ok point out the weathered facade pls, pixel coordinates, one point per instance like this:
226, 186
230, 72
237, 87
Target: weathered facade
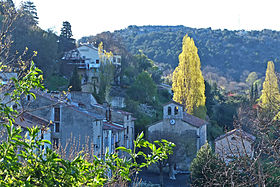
235, 143
87, 60
186, 131
78, 124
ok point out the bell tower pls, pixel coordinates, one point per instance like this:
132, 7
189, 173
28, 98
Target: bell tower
173, 110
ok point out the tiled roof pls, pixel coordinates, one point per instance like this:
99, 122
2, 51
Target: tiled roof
112, 126
194, 121
70, 106
174, 103
238, 132
30, 120
85, 112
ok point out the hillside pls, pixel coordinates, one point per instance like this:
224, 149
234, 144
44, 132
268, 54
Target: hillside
232, 54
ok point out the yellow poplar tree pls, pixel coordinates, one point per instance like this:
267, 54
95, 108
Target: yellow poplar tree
188, 83
270, 98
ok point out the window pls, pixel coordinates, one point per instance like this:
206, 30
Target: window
127, 117
176, 110
169, 110
56, 119
56, 127
55, 143
127, 130
28, 97
14, 106
57, 114
97, 61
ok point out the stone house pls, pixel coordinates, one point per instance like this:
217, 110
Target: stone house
235, 143
88, 61
76, 123
186, 131
28, 120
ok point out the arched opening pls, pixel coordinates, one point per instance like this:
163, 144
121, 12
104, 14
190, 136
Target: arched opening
176, 110
169, 110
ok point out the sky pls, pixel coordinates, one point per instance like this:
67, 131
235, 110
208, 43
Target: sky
90, 17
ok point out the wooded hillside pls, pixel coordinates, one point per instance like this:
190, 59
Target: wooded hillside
233, 54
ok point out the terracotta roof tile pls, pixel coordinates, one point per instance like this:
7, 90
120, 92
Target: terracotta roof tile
194, 121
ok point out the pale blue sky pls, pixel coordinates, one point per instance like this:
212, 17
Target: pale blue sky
89, 17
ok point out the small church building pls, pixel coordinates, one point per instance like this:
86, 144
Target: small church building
186, 131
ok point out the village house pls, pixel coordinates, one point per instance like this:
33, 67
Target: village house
27, 120
186, 131
87, 60
233, 144
78, 124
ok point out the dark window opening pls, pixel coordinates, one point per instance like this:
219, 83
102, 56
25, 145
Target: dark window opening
56, 126
14, 106
176, 110
127, 117
28, 97
97, 61
56, 114
169, 110
127, 130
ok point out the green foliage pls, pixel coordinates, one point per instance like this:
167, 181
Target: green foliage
75, 81
230, 52
47, 168
66, 42
56, 82
25, 163
270, 98
188, 83
143, 89
106, 74
214, 130
204, 166
29, 11
252, 77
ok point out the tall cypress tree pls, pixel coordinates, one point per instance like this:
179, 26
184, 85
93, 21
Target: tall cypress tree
256, 92
75, 81
188, 82
252, 94
270, 98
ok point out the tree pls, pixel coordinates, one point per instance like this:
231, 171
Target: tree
66, 42
204, 166
23, 160
143, 89
188, 83
270, 97
30, 11
75, 81
252, 77
66, 31
106, 73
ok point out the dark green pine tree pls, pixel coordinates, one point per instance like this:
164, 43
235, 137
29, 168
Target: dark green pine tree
256, 92
66, 42
75, 81
252, 94
30, 11
66, 31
